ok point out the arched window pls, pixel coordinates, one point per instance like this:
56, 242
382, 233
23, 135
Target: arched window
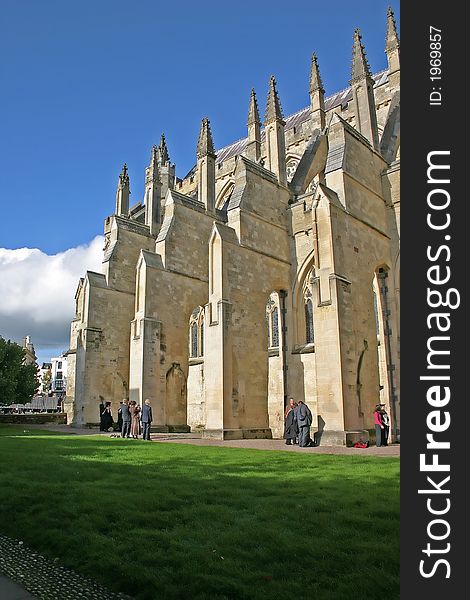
196, 333
309, 334
272, 321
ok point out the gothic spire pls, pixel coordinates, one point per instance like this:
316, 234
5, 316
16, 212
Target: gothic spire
164, 155
153, 170
392, 41
273, 105
316, 83
123, 192
253, 112
360, 66
205, 144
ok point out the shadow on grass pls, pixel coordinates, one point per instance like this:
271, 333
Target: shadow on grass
173, 521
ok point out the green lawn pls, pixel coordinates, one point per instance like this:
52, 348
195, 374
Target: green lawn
164, 521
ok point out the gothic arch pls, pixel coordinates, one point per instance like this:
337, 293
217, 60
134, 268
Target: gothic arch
292, 162
304, 291
223, 197
196, 333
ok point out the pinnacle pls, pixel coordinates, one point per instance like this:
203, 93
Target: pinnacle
360, 66
164, 155
316, 83
124, 176
205, 144
273, 106
153, 166
253, 112
392, 42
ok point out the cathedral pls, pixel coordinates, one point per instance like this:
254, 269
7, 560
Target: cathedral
270, 271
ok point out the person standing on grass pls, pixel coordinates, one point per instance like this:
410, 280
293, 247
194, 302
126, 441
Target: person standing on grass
378, 424
304, 421
119, 421
291, 430
126, 419
107, 417
146, 419
385, 423
101, 409
135, 419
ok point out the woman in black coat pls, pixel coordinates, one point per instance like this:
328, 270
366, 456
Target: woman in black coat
291, 429
107, 417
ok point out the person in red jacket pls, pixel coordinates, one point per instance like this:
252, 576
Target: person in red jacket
378, 425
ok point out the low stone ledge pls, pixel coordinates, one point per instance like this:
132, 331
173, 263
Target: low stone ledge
237, 434
34, 418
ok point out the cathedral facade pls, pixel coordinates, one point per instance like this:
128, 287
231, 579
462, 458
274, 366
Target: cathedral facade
270, 271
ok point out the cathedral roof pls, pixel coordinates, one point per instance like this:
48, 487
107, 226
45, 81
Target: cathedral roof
296, 119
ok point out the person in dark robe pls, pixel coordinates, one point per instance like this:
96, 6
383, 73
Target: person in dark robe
101, 408
119, 421
107, 417
304, 422
291, 430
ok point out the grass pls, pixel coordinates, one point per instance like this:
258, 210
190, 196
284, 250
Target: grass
208, 523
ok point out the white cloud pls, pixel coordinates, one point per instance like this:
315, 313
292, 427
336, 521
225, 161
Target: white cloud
37, 292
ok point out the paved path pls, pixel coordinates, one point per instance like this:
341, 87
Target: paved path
23, 569
12, 591
196, 439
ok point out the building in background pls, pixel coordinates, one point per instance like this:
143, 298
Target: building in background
59, 374
29, 352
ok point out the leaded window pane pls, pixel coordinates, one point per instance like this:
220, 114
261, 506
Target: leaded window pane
275, 328
309, 322
194, 340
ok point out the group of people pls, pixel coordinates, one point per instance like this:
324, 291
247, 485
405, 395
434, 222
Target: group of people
298, 419
133, 420
297, 422
382, 425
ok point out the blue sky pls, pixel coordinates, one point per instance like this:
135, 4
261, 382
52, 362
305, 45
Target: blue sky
89, 85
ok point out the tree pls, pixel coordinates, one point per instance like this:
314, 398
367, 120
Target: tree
46, 381
18, 381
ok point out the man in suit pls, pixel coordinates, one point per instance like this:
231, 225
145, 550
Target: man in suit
126, 419
304, 421
146, 418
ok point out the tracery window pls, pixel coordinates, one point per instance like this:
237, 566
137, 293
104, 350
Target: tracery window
196, 333
291, 167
